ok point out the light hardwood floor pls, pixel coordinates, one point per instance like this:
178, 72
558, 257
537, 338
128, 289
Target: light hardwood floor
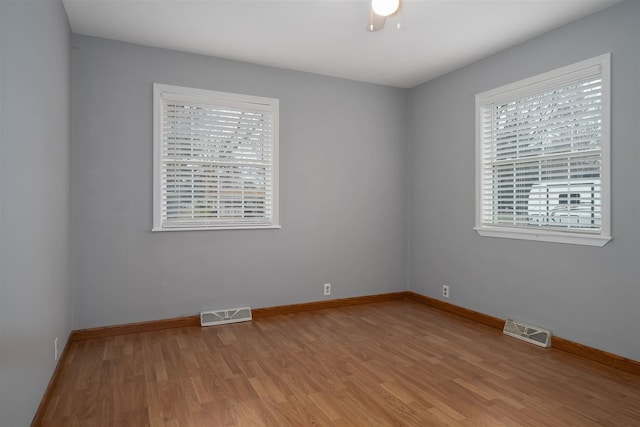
395, 363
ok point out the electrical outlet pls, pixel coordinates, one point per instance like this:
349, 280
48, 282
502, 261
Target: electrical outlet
327, 289
56, 353
445, 291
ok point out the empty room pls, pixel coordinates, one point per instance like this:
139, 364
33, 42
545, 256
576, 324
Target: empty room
323, 212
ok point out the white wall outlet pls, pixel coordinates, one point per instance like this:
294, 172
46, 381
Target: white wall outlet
56, 353
327, 289
445, 291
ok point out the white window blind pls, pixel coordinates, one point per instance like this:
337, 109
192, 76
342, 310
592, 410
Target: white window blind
215, 160
543, 156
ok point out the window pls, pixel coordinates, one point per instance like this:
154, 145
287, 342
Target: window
542, 157
215, 160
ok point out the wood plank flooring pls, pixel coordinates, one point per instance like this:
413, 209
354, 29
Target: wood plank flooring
395, 363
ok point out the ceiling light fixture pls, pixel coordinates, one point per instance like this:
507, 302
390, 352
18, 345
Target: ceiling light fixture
385, 7
380, 10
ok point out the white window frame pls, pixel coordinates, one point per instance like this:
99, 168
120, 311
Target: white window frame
161, 93
538, 84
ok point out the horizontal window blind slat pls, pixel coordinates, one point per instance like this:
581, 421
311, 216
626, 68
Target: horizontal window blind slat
220, 166
566, 94
527, 89
216, 129
574, 156
516, 131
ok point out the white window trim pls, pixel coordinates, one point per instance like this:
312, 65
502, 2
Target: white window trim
208, 95
533, 85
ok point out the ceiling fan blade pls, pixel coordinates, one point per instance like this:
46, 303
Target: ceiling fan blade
376, 22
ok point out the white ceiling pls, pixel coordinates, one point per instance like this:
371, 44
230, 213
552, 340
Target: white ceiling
329, 37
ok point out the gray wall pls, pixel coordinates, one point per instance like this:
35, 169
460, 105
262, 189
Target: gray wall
342, 193
586, 294
34, 201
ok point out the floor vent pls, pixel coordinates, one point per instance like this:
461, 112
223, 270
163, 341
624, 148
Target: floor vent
221, 317
528, 333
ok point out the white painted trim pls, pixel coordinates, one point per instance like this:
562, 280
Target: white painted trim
157, 156
605, 156
544, 235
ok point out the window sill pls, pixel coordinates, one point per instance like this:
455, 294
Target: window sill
229, 227
544, 236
